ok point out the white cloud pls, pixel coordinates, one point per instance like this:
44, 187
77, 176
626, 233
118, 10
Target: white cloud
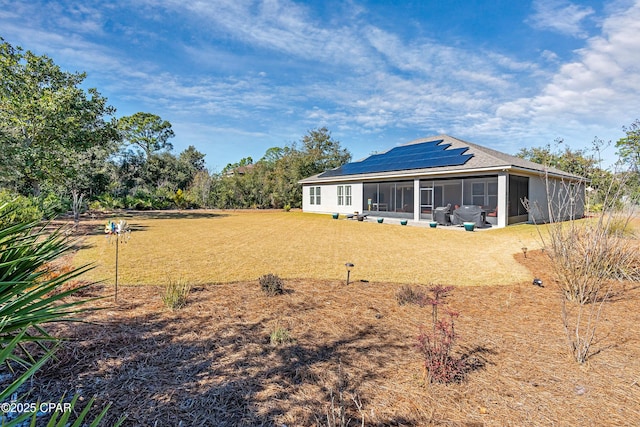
602, 86
275, 68
549, 56
560, 16
282, 26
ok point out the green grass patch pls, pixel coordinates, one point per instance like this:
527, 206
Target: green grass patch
176, 294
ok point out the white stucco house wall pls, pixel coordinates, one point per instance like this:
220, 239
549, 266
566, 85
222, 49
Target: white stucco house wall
412, 180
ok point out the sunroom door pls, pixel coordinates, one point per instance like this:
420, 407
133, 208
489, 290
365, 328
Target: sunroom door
426, 202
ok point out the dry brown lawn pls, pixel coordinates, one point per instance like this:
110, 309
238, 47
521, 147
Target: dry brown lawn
204, 247
212, 364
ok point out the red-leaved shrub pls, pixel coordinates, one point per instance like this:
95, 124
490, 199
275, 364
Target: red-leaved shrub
435, 343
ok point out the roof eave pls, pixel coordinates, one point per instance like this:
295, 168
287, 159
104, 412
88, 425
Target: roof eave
417, 173
550, 173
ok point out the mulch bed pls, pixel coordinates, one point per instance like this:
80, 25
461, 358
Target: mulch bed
212, 363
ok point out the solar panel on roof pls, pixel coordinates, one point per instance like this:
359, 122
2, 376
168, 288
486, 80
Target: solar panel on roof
423, 155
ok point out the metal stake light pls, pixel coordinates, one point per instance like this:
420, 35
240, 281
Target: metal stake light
122, 232
349, 267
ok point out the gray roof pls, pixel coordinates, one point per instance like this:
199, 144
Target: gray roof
482, 160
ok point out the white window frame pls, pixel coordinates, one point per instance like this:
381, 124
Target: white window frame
475, 196
344, 195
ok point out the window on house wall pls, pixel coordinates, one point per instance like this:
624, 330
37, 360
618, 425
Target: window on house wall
314, 195
481, 192
344, 195
477, 193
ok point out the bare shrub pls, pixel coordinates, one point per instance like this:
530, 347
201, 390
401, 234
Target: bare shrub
587, 255
341, 401
271, 284
587, 258
408, 295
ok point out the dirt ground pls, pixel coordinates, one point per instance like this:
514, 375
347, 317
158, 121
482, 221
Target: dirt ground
212, 363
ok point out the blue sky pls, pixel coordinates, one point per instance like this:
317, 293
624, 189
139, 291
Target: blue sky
235, 77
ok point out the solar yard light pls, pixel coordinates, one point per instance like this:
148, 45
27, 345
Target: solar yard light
349, 267
122, 233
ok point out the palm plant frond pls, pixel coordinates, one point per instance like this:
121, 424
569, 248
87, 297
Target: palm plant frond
27, 297
30, 298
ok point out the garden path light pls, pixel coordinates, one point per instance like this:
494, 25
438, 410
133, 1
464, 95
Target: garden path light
349, 267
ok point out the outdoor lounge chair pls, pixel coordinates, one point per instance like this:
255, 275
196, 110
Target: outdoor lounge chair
359, 217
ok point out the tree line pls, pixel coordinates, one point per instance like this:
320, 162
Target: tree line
587, 163
63, 148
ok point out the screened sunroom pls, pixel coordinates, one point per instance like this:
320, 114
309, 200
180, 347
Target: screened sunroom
419, 180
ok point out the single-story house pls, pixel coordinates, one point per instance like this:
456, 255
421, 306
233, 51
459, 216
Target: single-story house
416, 180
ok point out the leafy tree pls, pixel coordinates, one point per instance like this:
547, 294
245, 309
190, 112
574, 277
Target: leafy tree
273, 180
200, 190
126, 173
151, 183
284, 179
84, 173
577, 162
45, 120
166, 170
320, 152
160, 171
602, 182
190, 162
629, 146
146, 131
629, 155
272, 155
